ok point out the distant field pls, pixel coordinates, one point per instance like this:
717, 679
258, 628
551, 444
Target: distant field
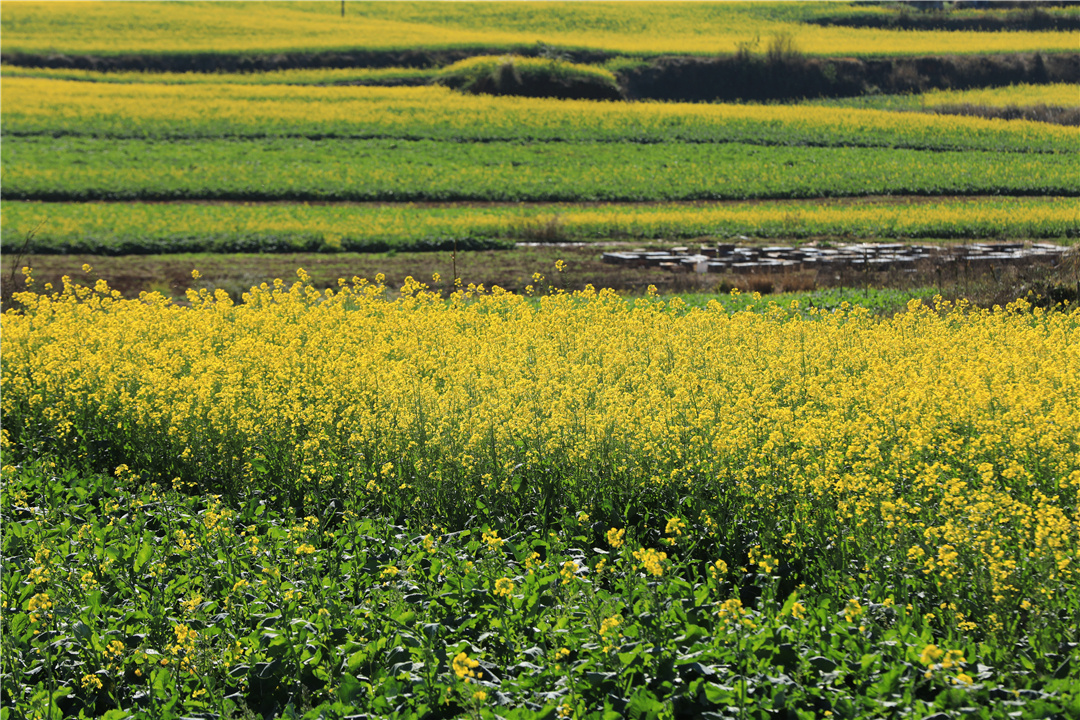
34, 106
1055, 94
241, 480
646, 28
1059, 94
85, 168
121, 229
315, 76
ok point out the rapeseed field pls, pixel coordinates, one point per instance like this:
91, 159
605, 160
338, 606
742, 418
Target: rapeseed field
443, 499
906, 486
647, 28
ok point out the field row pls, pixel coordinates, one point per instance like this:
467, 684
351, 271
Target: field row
1065, 95
1053, 94
647, 28
307, 76
124, 229
84, 168
36, 106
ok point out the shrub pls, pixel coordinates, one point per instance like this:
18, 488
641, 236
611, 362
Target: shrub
531, 77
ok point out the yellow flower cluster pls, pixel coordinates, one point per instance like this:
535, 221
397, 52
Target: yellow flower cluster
39, 608
950, 660
609, 631
853, 610
568, 572
465, 667
732, 614
958, 429
504, 587
675, 526
492, 540
651, 560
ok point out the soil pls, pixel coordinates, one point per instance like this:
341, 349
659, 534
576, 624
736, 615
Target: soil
513, 270
676, 78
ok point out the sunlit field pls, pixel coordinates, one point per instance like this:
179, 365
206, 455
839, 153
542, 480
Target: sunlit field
316, 400
752, 483
645, 29
147, 228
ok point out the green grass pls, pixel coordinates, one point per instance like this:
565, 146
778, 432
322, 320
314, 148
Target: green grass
84, 168
878, 300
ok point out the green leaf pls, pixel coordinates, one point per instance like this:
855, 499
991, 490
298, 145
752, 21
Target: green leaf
356, 660
146, 551
717, 694
822, 663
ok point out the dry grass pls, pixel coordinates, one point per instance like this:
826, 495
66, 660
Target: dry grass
513, 270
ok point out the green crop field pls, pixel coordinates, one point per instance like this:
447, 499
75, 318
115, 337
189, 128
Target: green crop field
147, 228
315, 405
300, 169
33, 106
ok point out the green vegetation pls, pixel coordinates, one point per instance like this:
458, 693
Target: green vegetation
86, 168
165, 605
877, 300
125, 228
530, 77
55, 108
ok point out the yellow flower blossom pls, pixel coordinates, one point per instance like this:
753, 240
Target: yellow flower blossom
504, 587
465, 667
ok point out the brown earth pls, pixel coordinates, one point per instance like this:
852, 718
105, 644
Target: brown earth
781, 75
513, 270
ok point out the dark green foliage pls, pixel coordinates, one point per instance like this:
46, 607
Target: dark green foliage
343, 612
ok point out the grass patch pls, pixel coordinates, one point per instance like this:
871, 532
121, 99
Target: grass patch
530, 77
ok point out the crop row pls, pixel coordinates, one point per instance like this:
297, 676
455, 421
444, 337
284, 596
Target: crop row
149, 601
299, 169
1065, 95
36, 106
1058, 94
123, 229
646, 28
305, 76
1054, 94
